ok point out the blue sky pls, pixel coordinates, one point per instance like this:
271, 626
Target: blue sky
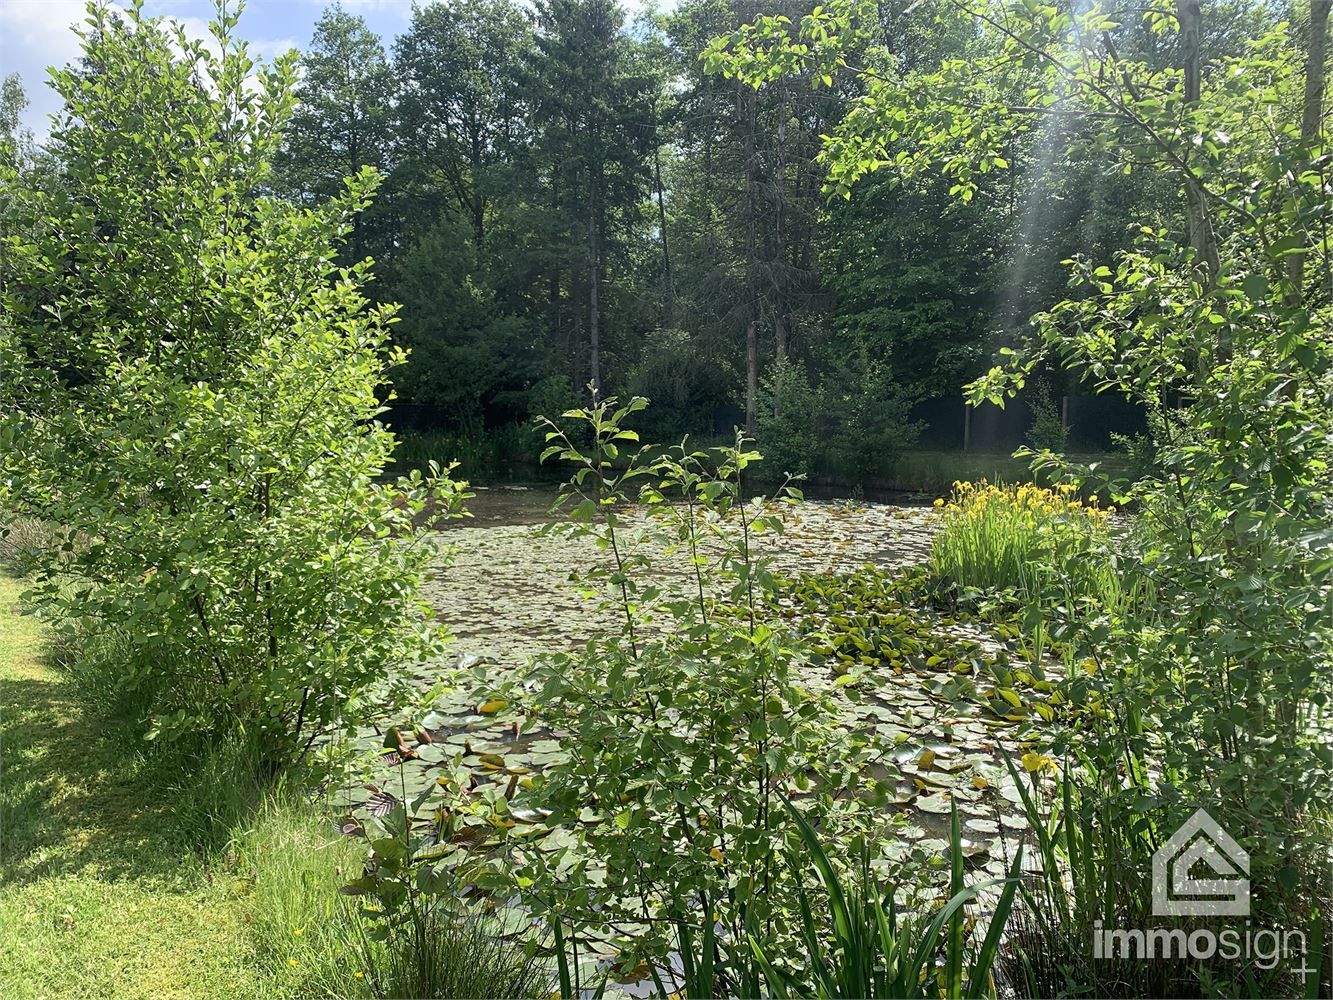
35, 34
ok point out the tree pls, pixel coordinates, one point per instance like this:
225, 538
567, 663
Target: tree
190, 391
1207, 323
16, 145
12, 102
593, 116
469, 355
342, 121
461, 109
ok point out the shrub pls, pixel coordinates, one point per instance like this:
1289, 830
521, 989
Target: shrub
688, 723
682, 374
308, 939
1048, 431
190, 391
460, 957
25, 542
1002, 537
868, 409
474, 453
868, 947
422, 937
788, 420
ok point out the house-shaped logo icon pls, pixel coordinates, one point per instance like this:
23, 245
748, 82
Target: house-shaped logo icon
1200, 841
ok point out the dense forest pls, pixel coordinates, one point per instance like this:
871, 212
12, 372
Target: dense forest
572, 199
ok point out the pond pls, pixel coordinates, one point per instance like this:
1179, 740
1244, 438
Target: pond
504, 590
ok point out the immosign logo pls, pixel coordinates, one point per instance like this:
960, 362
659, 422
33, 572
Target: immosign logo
1177, 892
1202, 872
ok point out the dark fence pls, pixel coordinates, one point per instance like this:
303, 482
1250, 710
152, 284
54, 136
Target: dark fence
1089, 421
947, 423
422, 418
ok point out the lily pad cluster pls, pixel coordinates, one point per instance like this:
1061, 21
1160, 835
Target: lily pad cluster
941, 697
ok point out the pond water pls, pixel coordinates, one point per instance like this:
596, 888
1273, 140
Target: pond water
504, 590
519, 501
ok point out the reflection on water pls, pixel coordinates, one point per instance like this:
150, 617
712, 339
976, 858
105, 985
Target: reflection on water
521, 503
510, 503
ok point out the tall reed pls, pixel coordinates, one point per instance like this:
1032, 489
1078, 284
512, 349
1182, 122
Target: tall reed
1031, 540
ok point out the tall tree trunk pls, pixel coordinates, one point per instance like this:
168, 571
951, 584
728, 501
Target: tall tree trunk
751, 376
779, 210
746, 95
594, 288
1312, 114
479, 200
1315, 68
669, 290
1202, 237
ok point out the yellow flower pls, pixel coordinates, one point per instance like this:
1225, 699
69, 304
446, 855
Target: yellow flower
298, 931
939, 502
360, 974
292, 962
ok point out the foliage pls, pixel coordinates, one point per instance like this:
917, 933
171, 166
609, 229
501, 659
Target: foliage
874, 950
420, 935
789, 419
1212, 323
459, 958
868, 411
290, 860
1028, 537
1048, 431
452, 323
339, 125
562, 176
461, 100
852, 426
919, 305
194, 403
477, 453
686, 724
684, 382
140, 872
1103, 857
25, 542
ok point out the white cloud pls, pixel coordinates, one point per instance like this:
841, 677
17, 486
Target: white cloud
35, 34
363, 7
37, 31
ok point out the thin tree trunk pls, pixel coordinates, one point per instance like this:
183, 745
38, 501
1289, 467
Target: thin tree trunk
594, 311
669, 305
1315, 68
478, 199
1311, 119
1202, 238
780, 195
751, 289
751, 376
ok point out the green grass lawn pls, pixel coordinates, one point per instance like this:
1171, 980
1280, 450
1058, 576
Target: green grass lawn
105, 890
99, 896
